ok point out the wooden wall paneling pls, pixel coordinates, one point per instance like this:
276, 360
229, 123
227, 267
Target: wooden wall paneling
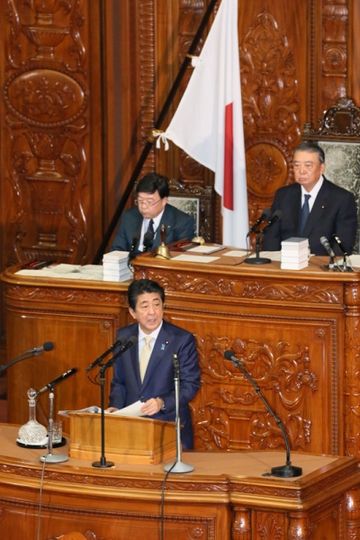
51, 169
80, 325
330, 54
273, 60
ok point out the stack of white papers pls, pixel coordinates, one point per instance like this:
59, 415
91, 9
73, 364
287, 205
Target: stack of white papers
295, 253
115, 266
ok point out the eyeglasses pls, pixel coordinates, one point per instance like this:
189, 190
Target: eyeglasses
146, 204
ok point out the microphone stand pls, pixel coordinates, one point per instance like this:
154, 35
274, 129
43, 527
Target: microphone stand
23, 356
102, 463
257, 259
283, 471
178, 466
50, 457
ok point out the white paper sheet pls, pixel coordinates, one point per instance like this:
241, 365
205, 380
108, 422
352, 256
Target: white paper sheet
134, 409
195, 258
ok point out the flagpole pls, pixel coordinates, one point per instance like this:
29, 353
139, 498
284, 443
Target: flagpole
147, 147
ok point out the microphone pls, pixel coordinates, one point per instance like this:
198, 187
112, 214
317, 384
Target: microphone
35, 351
329, 250
176, 365
284, 471
122, 348
326, 244
103, 355
345, 266
264, 217
58, 379
132, 251
47, 346
273, 219
340, 244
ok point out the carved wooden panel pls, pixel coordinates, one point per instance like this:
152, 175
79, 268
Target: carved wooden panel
48, 164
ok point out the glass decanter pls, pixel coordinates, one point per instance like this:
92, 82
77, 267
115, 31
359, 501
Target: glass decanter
32, 433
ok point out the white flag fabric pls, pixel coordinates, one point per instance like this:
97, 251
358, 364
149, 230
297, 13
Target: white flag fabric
208, 124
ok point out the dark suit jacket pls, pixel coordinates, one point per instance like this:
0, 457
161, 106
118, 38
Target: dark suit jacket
334, 212
126, 386
179, 226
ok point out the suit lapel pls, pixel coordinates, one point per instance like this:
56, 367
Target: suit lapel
158, 353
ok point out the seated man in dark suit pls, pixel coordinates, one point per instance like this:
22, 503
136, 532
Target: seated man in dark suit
145, 372
140, 227
313, 206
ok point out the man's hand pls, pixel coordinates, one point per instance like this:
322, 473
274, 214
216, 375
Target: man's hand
152, 406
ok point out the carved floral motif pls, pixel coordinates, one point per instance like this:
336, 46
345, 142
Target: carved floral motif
277, 369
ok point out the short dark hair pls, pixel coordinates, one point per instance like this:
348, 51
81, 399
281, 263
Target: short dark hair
311, 146
141, 286
153, 182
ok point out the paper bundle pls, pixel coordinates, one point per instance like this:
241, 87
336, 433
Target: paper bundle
115, 266
295, 253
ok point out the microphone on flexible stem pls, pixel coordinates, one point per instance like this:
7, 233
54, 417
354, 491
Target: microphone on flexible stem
285, 471
178, 466
132, 251
58, 379
333, 265
35, 351
50, 457
122, 348
102, 356
265, 216
102, 463
345, 265
259, 237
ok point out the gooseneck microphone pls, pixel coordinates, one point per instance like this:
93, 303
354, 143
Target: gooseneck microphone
269, 220
58, 379
35, 351
103, 355
273, 219
284, 471
121, 349
329, 250
264, 217
345, 266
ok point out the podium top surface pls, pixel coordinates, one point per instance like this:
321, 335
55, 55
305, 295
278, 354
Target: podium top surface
227, 476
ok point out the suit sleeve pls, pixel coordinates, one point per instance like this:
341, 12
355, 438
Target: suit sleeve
346, 222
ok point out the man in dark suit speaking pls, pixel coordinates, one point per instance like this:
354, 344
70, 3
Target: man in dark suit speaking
145, 372
140, 227
313, 206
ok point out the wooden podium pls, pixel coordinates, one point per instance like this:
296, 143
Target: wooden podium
127, 439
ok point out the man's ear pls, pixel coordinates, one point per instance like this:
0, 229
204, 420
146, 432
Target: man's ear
132, 313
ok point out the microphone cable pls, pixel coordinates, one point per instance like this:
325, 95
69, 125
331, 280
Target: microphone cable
162, 501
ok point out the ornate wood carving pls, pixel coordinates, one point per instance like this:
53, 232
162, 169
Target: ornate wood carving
330, 33
241, 527
46, 97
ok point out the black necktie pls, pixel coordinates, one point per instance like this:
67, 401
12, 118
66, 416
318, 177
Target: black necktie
149, 236
304, 214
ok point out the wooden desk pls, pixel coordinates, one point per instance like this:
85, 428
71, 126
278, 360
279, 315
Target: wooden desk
222, 499
298, 333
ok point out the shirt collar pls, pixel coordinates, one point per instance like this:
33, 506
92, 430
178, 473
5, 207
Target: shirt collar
153, 334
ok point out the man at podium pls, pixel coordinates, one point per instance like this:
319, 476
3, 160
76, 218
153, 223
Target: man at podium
145, 372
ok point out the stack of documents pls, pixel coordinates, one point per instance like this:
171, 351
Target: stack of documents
115, 266
295, 253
